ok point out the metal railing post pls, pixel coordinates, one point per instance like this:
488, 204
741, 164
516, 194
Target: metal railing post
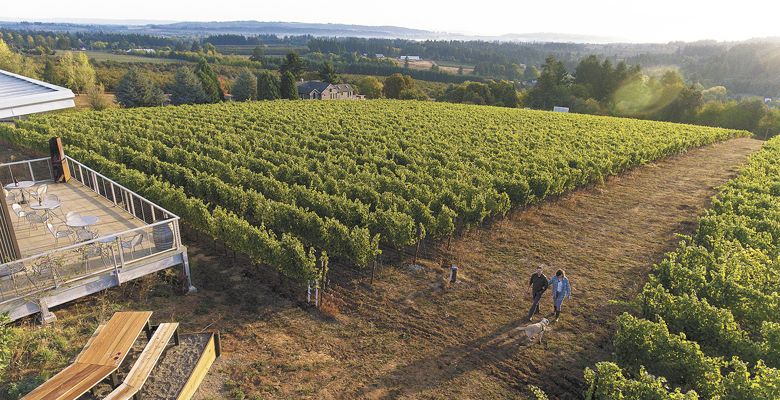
132, 204
121, 253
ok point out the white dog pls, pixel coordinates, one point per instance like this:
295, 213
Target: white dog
536, 329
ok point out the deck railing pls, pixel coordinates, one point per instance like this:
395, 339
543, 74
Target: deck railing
37, 170
117, 251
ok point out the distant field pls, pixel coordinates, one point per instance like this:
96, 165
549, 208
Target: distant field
82, 103
451, 68
128, 58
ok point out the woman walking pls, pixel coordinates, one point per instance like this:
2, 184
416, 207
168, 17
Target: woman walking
561, 290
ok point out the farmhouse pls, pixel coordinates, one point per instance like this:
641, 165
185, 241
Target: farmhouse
318, 90
409, 58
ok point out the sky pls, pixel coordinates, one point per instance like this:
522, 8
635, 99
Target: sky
645, 21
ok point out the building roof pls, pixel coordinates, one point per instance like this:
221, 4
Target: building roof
310, 86
20, 95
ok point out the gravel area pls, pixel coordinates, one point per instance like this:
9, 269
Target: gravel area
170, 374
175, 367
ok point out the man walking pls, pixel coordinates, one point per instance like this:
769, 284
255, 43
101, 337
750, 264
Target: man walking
536, 287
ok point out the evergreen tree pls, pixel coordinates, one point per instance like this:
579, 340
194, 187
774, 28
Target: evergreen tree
245, 87
136, 90
288, 89
553, 87
328, 73
268, 86
209, 81
187, 88
293, 64
257, 54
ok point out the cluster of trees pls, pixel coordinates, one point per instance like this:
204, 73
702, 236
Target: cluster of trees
743, 68
368, 67
43, 42
492, 93
72, 71
396, 86
598, 87
510, 71
190, 86
403, 87
256, 40
14, 62
751, 115
447, 50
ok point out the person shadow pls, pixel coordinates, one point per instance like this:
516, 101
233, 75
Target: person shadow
491, 351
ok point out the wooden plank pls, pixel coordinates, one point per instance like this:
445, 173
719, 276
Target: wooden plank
89, 342
143, 366
9, 248
71, 382
200, 371
116, 338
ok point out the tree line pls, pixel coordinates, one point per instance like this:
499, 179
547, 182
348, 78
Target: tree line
598, 87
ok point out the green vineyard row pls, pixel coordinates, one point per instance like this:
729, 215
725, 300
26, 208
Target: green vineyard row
347, 178
709, 321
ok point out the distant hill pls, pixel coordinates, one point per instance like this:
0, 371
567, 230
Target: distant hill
293, 28
190, 28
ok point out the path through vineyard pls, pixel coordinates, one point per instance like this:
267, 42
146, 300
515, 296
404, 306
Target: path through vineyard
412, 336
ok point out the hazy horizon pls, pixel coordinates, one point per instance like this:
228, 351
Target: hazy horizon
665, 21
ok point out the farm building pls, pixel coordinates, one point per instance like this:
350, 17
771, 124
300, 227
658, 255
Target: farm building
409, 58
318, 90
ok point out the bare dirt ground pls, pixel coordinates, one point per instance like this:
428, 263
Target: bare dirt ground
411, 335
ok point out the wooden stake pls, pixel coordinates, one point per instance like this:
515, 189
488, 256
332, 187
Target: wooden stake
373, 269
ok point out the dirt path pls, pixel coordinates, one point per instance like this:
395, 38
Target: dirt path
413, 336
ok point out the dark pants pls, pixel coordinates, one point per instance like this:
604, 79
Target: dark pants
535, 305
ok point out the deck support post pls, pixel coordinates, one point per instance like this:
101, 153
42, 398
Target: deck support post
115, 380
47, 317
148, 330
187, 276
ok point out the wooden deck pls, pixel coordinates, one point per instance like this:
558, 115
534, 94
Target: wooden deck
78, 198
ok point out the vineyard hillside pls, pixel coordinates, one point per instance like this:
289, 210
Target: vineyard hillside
288, 183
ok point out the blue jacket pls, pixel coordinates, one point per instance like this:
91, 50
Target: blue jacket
565, 290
